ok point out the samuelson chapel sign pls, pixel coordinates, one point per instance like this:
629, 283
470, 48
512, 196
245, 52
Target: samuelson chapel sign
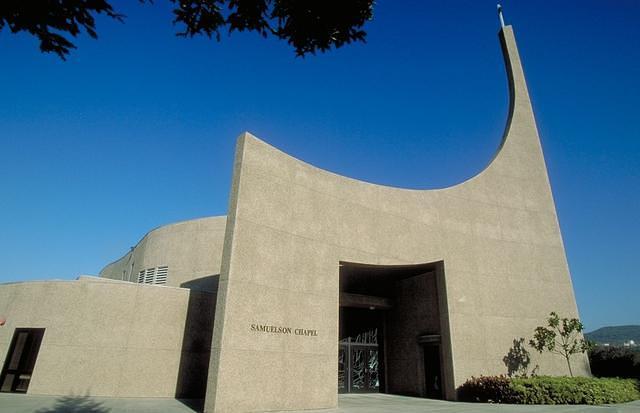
264, 328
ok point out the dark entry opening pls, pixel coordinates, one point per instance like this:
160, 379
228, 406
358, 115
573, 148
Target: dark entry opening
20, 360
432, 371
404, 308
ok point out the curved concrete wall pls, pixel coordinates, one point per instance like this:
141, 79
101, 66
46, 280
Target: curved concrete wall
108, 338
290, 224
191, 249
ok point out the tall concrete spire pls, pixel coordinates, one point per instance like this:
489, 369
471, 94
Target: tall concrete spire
500, 15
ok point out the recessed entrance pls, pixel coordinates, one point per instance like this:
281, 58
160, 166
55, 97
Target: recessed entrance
20, 360
394, 331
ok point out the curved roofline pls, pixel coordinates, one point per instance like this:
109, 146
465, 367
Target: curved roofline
171, 224
512, 97
156, 229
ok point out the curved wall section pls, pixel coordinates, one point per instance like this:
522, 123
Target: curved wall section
191, 251
291, 224
109, 338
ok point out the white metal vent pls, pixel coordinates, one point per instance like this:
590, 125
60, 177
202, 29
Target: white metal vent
161, 275
148, 275
153, 275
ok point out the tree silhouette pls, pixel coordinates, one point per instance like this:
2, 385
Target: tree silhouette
307, 25
517, 359
75, 404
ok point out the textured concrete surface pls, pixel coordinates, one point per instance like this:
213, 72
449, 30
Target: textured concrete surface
347, 403
291, 224
112, 338
191, 249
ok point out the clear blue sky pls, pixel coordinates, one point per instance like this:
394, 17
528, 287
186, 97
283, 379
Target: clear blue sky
137, 129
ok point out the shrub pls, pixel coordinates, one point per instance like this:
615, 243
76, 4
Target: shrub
614, 362
549, 390
574, 390
487, 389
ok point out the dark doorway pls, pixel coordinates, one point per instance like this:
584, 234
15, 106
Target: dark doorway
20, 360
432, 372
402, 311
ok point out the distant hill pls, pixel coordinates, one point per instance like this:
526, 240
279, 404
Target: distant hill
615, 335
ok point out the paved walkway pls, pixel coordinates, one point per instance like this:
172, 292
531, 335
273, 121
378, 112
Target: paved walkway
386, 403
348, 403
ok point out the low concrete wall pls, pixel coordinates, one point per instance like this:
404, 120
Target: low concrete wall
107, 338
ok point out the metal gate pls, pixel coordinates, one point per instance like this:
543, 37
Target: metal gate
358, 367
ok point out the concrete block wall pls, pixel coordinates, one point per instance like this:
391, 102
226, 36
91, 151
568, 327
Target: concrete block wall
106, 338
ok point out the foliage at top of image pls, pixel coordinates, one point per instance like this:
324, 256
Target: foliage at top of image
49, 20
562, 336
308, 26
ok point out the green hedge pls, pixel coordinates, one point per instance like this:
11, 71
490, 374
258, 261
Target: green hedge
549, 390
614, 362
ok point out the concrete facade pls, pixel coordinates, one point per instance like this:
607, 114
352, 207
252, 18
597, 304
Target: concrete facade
290, 225
249, 306
112, 338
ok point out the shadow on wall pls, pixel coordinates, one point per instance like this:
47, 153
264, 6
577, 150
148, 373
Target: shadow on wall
75, 404
518, 360
208, 283
196, 339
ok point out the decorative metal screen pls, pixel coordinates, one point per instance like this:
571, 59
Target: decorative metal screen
358, 363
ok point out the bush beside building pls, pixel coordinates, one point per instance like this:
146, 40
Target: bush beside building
607, 361
549, 390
